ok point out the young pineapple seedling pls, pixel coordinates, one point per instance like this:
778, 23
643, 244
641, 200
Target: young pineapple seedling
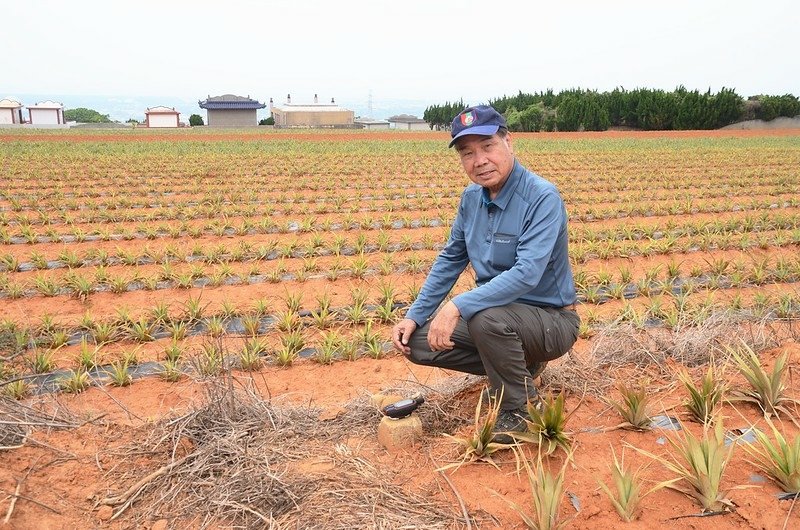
250, 356
478, 446
211, 359
120, 376
261, 307
768, 390
627, 492
216, 326
42, 361
17, 390
75, 383
350, 349
699, 464
704, 399
177, 329
87, 356
142, 330
251, 323
633, 407
323, 318
547, 494
779, 459
329, 346
292, 343
293, 301
173, 352
171, 371
387, 312
546, 421
193, 309
131, 357
285, 355
160, 313
104, 332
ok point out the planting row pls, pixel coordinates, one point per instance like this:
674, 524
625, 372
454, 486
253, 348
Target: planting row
670, 309
42, 201
736, 232
21, 226
709, 230
368, 260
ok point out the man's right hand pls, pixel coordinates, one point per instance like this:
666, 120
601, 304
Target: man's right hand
401, 333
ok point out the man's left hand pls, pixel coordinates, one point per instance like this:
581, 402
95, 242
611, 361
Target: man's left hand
440, 332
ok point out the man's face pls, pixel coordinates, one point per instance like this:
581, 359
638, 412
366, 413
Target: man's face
488, 160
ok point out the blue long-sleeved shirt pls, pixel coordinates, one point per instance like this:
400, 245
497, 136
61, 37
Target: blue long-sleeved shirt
516, 244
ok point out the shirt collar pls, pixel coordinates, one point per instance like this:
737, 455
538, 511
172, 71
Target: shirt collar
501, 201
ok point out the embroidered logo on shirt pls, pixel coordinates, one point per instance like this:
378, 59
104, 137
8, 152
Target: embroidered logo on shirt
467, 119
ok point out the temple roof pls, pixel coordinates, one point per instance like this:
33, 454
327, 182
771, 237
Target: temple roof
47, 105
406, 118
161, 110
230, 101
9, 103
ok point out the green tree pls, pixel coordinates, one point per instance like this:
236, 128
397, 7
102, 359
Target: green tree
441, 116
267, 121
84, 115
195, 120
771, 107
533, 117
581, 111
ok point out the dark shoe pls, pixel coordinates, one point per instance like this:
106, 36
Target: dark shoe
508, 422
536, 369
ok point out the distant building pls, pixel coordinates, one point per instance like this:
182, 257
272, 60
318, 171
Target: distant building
407, 122
10, 111
161, 117
371, 124
231, 111
312, 115
46, 113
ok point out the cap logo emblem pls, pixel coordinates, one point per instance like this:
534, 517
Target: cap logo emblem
467, 119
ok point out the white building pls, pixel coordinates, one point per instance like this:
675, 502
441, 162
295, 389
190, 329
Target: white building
161, 117
311, 114
46, 113
407, 122
10, 111
371, 124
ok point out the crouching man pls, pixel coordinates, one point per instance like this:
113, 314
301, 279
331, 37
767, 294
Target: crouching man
511, 227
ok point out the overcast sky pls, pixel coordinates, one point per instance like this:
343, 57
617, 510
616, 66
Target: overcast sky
425, 50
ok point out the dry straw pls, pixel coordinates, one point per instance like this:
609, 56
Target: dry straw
272, 467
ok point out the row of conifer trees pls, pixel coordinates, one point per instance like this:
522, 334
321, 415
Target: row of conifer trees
642, 108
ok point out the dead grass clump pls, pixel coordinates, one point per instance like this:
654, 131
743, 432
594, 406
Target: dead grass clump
621, 345
18, 419
237, 460
356, 494
445, 409
578, 374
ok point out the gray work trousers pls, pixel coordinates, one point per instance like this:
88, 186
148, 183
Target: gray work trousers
501, 343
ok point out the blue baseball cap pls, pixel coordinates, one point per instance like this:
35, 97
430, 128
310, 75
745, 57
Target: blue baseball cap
481, 119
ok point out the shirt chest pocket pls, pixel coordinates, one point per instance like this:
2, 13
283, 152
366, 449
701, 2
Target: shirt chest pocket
504, 250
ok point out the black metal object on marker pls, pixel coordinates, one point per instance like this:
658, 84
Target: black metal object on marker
403, 408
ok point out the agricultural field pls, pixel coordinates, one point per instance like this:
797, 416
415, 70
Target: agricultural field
192, 324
